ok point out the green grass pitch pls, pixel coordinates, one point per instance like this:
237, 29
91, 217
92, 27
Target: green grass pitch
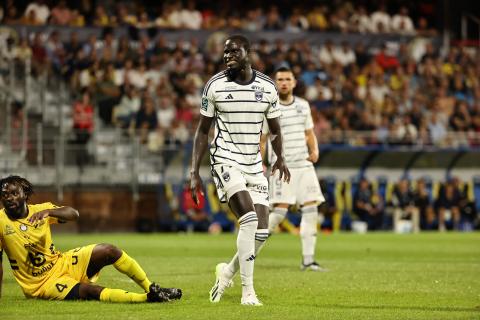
372, 276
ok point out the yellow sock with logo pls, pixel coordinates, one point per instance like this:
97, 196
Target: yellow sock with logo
127, 265
119, 295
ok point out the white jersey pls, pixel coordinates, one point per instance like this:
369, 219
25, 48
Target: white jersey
295, 119
239, 111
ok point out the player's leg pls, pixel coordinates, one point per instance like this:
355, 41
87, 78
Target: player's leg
308, 235
242, 204
310, 196
261, 236
107, 254
86, 291
277, 215
282, 195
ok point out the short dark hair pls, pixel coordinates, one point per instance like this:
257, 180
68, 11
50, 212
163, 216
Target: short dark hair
242, 40
26, 185
283, 68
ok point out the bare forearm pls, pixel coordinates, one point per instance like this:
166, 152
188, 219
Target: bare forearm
200, 145
312, 142
276, 137
64, 214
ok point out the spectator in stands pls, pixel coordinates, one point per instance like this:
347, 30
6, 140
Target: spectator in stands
317, 18
193, 216
190, 17
403, 205
11, 15
83, 123
146, 118
423, 202
402, 23
61, 14
360, 21
101, 18
368, 206
125, 111
273, 20
344, 55
448, 207
297, 22
107, 94
381, 20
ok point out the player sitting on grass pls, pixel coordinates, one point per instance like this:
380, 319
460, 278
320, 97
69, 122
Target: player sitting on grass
46, 273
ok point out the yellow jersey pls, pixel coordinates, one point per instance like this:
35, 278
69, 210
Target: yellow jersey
29, 247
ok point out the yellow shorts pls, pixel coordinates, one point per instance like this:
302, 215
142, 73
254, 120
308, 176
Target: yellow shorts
70, 269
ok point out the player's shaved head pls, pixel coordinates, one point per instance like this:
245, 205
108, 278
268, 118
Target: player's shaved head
241, 40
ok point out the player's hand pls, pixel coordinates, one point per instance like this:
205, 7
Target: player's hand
195, 186
36, 217
282, 168
313, 157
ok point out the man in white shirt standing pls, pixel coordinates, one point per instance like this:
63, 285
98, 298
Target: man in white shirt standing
301, 152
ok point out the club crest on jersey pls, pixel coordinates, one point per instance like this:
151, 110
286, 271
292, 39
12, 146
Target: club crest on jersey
258, 95
226, 176
299, 108
23, 227
204, 104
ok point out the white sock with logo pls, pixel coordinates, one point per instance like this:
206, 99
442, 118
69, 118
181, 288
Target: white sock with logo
246, 249
308, 233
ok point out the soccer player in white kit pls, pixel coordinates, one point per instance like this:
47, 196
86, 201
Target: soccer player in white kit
238, 100
301, 152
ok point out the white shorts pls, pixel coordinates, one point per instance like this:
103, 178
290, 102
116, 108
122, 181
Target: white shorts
303, 188
229, 180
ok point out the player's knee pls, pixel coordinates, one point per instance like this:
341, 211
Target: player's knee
110, 252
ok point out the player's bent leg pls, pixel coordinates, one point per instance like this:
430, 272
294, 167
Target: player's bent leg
107, 254
102, 255
277, 216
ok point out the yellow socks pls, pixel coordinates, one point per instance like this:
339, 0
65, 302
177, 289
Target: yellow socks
126, 265
118, 295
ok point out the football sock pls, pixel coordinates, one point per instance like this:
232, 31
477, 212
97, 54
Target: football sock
246, 248
261, 237
119, 295
276, 217
308, 233
127, 265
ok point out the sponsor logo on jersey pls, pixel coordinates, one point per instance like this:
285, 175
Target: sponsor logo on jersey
258, 88
229, 97
9, 230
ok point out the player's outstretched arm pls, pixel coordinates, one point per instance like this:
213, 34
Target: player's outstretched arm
277, 146
312, 144
200, 144
63, 214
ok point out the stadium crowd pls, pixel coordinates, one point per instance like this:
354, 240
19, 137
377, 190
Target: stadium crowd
403, 93
174, 14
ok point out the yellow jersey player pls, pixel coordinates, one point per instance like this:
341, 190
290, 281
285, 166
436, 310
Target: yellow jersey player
46, 273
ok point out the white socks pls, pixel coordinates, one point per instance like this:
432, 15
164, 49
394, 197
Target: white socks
308, 233
276, 217
246, 248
